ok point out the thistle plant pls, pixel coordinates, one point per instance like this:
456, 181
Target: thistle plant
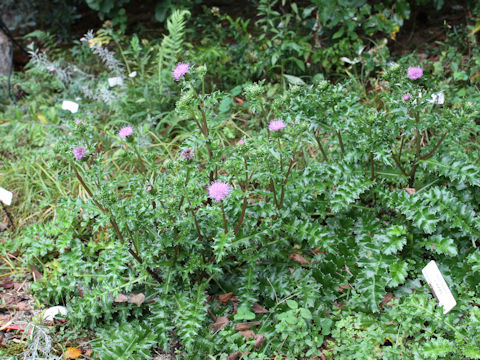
330, 200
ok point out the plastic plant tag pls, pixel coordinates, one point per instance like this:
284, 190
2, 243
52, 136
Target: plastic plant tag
70, 106
6, 196
114, 81
438, 98
439, 287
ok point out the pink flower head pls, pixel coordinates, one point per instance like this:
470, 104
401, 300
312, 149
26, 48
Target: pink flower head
125, 131
187, 154
79, 152
218, 190
406, 97
180, 70
414, 73
241, 142
276, 125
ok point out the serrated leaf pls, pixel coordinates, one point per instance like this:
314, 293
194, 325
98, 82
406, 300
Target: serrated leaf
438, 348
398, 272
394, 240
441, 245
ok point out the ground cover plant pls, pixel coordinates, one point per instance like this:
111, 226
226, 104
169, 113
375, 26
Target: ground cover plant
191, 211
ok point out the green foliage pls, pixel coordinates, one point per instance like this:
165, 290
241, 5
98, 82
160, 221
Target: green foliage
319, 241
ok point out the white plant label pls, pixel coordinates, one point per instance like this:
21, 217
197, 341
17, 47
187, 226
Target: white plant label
439, 287
114, 81
6, 196
70, 106
438, 98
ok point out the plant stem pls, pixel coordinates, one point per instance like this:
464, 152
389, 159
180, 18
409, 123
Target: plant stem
116, 228
272, 185
320, 146
425, 157
225, 225
340, 141
284, 183
244, 205
187, 178
372, 167
8, 216
399, 164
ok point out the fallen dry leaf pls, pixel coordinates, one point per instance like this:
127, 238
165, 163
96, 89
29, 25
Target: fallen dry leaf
220, 323
8, 284
234, 356
72, 353
410, 190
259, 309
246, 326
88, 352
36, 274
318, 251
121, 298
260, 339
225, 297
22, 306
299, 259
248, 334
136, 299
344, 287
386, 299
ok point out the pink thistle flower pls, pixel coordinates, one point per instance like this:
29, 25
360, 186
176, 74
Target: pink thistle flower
406, 97
414, 73
79, 152
218, 190
125, 131
276, 125
180, 70
187, 154
241, 142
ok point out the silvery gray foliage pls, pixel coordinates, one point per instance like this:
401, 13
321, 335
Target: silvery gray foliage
70, 75
40, 345
108, 57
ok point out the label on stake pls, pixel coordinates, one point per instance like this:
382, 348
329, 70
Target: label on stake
70, 106
6, 196
114, 81
439, 287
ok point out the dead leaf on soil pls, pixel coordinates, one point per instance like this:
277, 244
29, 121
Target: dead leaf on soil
22, 306
121, 298
318, 251
344, 287
386, 299
260, 339
299, 259
72, 353
220, 323
234, 356
225, 297
36, 274
136, 299
259, 309
248, 334
8, 284
246, 326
